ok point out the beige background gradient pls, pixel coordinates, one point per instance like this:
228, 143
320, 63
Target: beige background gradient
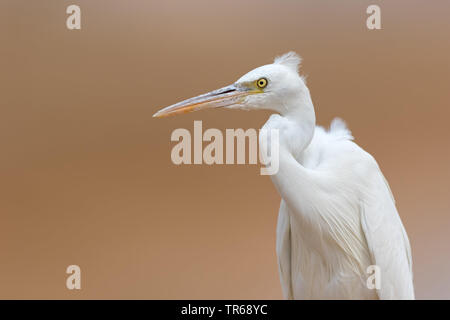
85, 171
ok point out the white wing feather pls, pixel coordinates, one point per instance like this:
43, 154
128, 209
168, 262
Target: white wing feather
284, 250
388, 243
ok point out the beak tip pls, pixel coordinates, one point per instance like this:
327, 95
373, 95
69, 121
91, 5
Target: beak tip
156, 115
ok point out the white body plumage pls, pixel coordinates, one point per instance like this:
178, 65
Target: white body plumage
337, 217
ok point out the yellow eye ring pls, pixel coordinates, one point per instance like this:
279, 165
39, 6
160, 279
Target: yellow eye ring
261, 83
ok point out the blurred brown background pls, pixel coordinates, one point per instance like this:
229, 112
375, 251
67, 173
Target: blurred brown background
85, 171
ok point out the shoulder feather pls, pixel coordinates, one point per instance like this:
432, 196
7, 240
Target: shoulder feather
339, 129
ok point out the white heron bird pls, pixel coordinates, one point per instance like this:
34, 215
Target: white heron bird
337, 215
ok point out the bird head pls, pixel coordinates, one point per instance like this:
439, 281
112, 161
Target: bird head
269, 87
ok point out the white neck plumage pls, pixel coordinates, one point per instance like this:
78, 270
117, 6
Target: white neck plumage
300, 112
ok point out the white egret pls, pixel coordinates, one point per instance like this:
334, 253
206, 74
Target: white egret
337, 215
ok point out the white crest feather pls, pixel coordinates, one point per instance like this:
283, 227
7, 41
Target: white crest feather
291, 60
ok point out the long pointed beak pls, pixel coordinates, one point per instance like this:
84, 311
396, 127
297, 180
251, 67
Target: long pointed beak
223, 97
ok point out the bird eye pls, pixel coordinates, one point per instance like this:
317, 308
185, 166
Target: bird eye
261, 83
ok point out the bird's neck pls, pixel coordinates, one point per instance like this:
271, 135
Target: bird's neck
302, 114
